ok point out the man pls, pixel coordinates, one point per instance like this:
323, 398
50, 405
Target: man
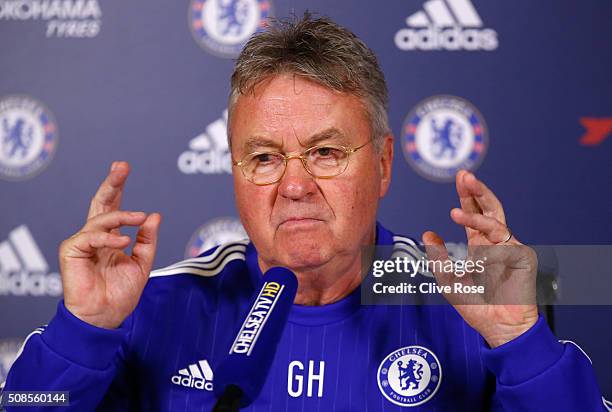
312, 157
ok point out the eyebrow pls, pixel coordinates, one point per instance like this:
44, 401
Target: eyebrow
328, 134
256, 143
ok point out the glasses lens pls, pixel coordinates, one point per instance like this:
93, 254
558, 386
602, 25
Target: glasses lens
262, 168
326, 161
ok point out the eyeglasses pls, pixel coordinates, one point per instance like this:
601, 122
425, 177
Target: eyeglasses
322, 161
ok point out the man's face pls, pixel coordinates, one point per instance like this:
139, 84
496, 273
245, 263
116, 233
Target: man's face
303, 222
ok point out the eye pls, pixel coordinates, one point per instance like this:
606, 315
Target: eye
325, 158
262, 163
324, 151
263, 158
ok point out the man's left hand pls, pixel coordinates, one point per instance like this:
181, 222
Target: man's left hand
508, 308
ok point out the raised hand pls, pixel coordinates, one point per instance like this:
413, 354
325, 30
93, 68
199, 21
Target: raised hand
102, 284
507, 308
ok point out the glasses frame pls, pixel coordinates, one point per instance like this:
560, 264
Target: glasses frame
302, 156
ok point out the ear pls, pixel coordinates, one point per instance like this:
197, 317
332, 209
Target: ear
386, 164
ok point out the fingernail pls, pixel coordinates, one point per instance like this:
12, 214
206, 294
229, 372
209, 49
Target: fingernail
136, 214
113, 166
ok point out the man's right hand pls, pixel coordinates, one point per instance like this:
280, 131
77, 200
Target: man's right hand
102, 284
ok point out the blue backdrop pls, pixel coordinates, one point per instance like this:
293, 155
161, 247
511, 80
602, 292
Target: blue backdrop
86, 82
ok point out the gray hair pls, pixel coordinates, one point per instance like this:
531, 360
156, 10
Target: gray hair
319, 50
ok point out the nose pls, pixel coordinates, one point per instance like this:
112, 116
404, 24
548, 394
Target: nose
296, 183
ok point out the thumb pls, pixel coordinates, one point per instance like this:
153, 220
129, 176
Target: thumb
434, 246
437, 254
145, 247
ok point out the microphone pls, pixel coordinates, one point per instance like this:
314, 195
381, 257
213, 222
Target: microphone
241, 375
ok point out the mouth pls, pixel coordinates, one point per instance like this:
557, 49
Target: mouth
300, 222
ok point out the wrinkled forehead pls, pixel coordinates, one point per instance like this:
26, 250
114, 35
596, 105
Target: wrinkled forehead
290, 111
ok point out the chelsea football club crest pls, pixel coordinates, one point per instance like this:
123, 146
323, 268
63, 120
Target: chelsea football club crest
215, 232
410, 376
28, 137
442, 135
223, 27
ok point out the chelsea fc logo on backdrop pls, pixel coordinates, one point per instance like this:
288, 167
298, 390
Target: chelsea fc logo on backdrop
28, 137
215, 232
443, 134
409, 376
222, 27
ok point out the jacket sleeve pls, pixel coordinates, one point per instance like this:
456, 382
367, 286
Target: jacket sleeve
71, 355
536, 372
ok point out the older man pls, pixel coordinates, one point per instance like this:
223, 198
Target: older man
312, 157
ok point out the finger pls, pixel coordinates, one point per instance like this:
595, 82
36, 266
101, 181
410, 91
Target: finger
484, 197
114, 220
108, 196
434, 246
85, 244
437, 252
468, 203
491, 228
144, 249
439, 259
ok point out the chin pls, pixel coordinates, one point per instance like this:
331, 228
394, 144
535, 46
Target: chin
302, 251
